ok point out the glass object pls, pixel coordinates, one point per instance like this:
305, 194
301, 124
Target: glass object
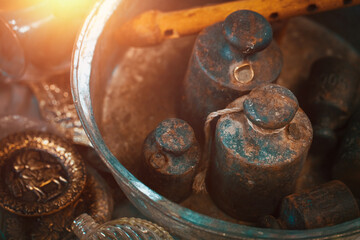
85, 228
95, 58
38, 39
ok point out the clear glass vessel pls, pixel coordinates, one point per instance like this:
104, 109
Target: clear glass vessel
95, 58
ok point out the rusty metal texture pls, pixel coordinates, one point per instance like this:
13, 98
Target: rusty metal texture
329, 99
347, 163
328, 204
256, 166
229, 59
171, 155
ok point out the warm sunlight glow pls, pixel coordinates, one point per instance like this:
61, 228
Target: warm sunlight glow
71, 8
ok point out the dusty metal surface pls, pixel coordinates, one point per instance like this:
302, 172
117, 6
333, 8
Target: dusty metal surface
271, 106
171, 154
143, 91
303, 43
256, 166
150, 101
330, 97
328, 204
228, 60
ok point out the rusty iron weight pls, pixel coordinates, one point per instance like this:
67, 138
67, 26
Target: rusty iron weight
330, 99
228, 60
171, 154
258, 153
326, 205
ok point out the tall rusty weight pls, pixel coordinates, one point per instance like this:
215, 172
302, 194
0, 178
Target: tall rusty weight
330, 99
229, 59
171, 154
258, 153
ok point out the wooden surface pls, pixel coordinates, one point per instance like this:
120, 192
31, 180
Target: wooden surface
153, 27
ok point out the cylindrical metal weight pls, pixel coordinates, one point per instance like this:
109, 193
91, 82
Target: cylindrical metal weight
171, 155
228, 60
330, 99
328, 204
258, 153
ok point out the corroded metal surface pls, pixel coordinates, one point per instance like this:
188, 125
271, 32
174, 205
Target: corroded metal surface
328, 204
32, 161
271, 107
142, 92
147, 102
171, 154
254, 166
228, 60
329, 97
347, 161
95, 200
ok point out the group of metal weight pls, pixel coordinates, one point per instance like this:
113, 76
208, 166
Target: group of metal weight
261, 141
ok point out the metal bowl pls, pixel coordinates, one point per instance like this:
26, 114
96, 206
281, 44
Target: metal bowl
95, 59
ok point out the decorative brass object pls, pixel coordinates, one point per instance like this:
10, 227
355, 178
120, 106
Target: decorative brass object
57, 107
44, 186
31, 160
120, 229
32, 171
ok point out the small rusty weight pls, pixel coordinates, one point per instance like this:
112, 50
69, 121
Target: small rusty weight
347, 163
171, 154
326, 205
258, 153
330, 99
228, 60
